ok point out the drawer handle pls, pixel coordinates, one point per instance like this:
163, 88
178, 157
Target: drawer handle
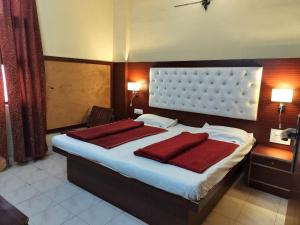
272, 163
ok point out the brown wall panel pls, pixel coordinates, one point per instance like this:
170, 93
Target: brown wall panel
120, 90
276, 73
73, 88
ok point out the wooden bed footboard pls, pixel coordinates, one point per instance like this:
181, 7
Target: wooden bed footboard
150, 204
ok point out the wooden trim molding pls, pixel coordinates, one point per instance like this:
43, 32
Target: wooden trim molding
62, 129
76, 60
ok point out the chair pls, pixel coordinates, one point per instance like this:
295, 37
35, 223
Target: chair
99, 116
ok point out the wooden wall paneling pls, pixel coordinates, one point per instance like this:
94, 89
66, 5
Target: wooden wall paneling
73, 87
276, 73
119, 90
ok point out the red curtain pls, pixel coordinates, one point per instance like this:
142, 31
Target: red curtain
24, 68
3, 139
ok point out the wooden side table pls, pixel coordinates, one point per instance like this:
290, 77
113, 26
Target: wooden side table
2, 164
10, 215
270, 170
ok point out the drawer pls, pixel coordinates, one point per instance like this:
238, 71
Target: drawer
271, 176
272, 162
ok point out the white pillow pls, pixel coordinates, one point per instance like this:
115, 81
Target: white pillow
239, 134
225, 128
157, 121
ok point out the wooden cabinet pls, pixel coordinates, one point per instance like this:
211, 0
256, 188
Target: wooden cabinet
270, 170
10, 215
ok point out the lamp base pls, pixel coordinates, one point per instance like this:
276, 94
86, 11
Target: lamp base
281, 107
134, 95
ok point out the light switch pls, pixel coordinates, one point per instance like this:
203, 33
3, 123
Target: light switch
275, 137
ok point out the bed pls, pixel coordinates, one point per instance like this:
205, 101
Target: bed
118, 166
173, 179
161, 194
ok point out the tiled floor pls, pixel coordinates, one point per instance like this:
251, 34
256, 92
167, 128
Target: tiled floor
40, 190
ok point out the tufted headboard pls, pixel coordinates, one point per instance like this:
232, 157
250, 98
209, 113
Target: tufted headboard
223, 91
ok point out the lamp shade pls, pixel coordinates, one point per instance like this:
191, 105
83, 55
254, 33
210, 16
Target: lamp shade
282, 95
134, 86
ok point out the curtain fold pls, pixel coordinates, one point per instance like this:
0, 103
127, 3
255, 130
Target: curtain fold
25, 74
3, 139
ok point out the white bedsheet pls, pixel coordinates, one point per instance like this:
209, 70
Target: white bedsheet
176, 180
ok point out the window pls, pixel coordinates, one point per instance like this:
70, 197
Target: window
4, 84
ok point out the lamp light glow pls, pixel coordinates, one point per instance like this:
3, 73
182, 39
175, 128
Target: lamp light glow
134, 86
282, 95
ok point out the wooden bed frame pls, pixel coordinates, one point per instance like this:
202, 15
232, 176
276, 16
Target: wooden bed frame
150, 204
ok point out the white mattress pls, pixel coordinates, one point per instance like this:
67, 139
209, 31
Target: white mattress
176, 180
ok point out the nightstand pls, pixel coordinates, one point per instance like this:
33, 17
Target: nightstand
270, 170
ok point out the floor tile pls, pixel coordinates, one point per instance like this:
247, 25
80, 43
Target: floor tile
37, 176
123, 219
48, 183
6, 175
48, 163
56, 215
75, 221
24, 171
239, 191
58, 170
35, 205
280, 220
21, 194
253, 214
58, 160
215, 218
30, 222
63, 192
265, 200
99, 214
283, 207
10, 184
80, 202
135, 218
112, 206
59, 157
62, 175
229, 207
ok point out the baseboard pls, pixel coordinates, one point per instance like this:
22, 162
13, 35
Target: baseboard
61, 129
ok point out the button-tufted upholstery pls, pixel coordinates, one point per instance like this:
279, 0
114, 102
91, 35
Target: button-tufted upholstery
227, 91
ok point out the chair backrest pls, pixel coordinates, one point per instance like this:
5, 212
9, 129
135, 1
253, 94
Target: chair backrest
99, 116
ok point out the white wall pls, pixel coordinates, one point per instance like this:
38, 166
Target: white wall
153, 30
77, 28
234, 29
121, 30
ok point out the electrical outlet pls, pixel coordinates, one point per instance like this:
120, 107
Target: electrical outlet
138, 111
275, 137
